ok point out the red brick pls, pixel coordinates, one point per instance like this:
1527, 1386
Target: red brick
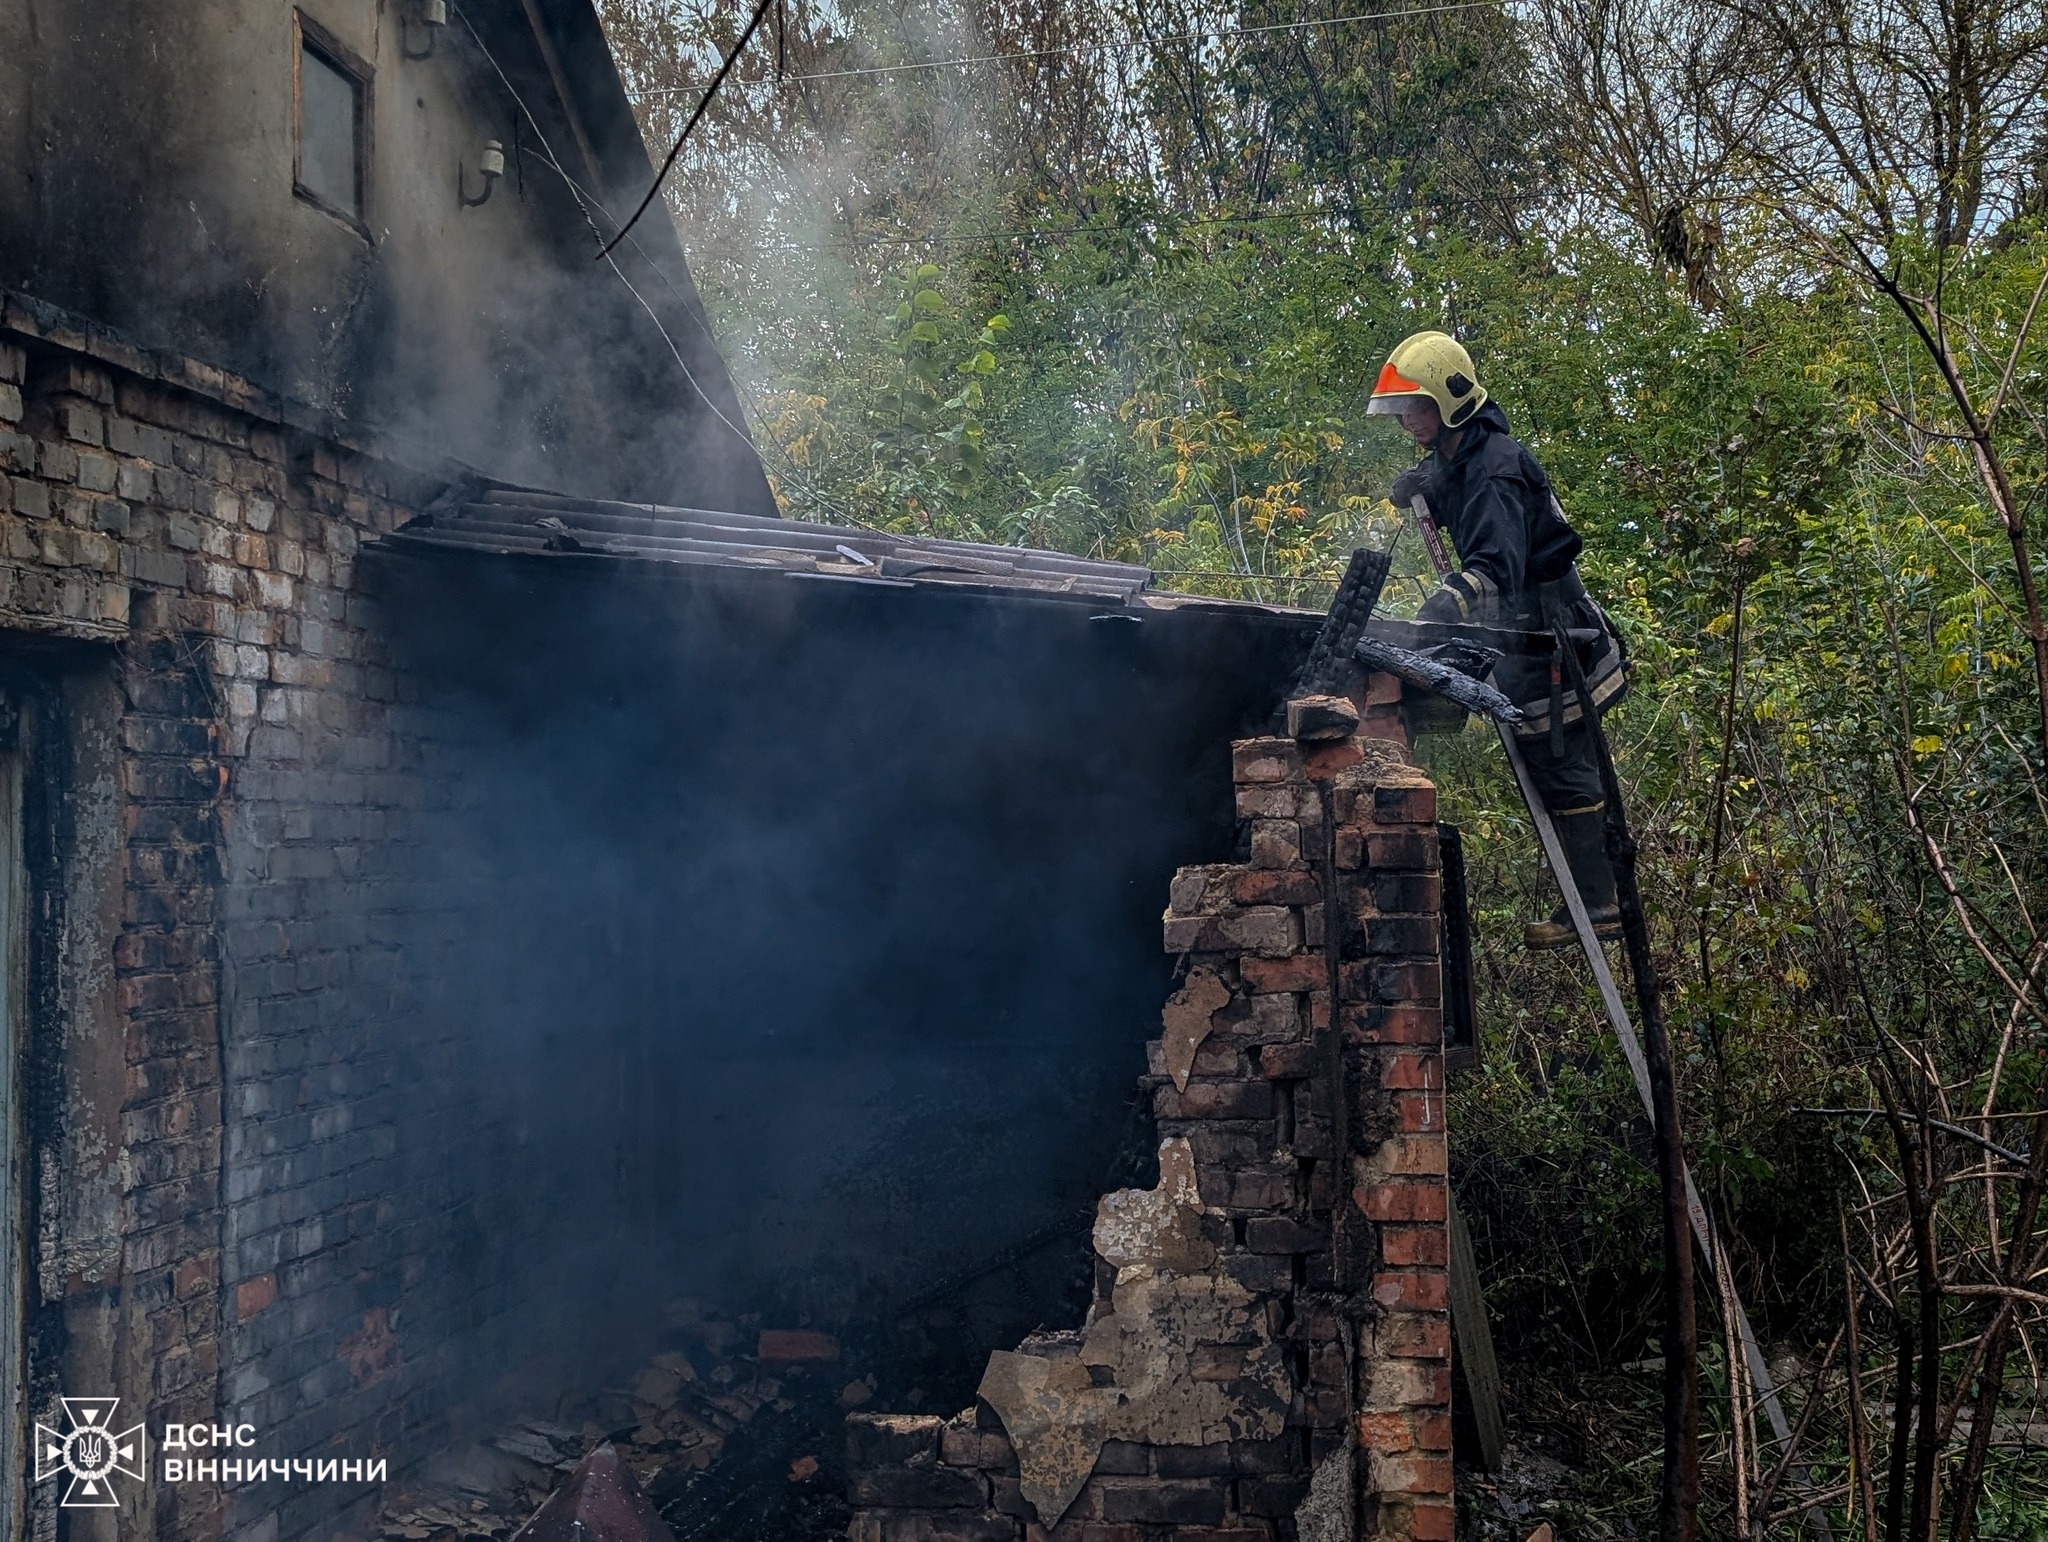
1381, 690
1326, 760
1407, 893
1401, 1198
1407, 983
1419, 1113
1405, 805
1268, 1019
1328, 1366
1275, 800
1432, 1431
1402, 1023
968, 1447
1285, 1234
1163, 1502
1384, 723
1405, 1245
1264, 760
1303, 972
1413, 935
192, 1277
1273, 886
147, 993
1288, 1062
1215, 1100
1412, 1474
1412, 1291
1413, 1156
1271, 931
1217, 1057
1432, 1521
1264, 1188
1406, 850
1389, 1431
1276, 844
252, 1296
1411, 1069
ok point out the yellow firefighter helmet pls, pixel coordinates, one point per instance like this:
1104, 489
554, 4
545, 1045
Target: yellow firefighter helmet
1433, 365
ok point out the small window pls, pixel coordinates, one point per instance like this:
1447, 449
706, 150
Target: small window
331, 155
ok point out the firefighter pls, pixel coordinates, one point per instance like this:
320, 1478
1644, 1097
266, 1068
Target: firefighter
1516, 555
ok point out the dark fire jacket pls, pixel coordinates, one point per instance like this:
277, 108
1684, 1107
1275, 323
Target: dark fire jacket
1495, 502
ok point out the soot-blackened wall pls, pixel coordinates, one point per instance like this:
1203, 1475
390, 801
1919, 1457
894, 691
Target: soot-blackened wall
822, 953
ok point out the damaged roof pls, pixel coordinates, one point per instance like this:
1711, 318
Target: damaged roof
509, 521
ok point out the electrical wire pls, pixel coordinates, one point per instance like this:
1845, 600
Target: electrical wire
1104, 47
584, 204
586, 201
676, 149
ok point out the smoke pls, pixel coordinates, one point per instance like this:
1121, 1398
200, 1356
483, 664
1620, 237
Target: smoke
807, 193
812, 936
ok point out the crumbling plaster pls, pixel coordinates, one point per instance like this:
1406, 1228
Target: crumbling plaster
1184, 1356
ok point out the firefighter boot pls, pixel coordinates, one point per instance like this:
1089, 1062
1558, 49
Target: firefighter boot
1583, 836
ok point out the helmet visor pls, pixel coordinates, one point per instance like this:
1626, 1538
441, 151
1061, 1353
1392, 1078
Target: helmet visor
1396, 404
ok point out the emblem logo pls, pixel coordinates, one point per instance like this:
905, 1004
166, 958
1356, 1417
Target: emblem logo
91, 1451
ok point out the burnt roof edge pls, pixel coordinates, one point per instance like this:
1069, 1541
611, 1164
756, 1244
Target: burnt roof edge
420, 540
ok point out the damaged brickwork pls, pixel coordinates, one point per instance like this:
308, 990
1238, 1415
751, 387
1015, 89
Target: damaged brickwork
1268, 1355
230, 972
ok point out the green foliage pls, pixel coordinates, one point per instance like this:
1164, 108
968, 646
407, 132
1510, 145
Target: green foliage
1833, 618
1192, 396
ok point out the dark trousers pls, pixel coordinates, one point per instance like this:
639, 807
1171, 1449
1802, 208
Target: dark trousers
1567, 783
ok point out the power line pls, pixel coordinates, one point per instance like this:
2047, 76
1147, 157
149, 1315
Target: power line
1162, 221
1103, 47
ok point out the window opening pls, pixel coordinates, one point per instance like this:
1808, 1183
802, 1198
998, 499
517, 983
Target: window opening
331, 147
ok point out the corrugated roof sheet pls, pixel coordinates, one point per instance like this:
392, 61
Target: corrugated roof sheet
509, 521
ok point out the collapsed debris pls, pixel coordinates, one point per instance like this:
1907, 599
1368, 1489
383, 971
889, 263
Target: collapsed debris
731, 1426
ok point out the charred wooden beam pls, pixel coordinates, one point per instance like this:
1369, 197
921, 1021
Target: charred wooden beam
1323, 671
1433, 674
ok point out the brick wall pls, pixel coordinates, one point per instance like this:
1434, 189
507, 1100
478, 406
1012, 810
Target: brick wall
251, 1202
1267, 1305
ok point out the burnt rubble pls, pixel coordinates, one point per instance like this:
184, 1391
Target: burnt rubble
730, 1432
